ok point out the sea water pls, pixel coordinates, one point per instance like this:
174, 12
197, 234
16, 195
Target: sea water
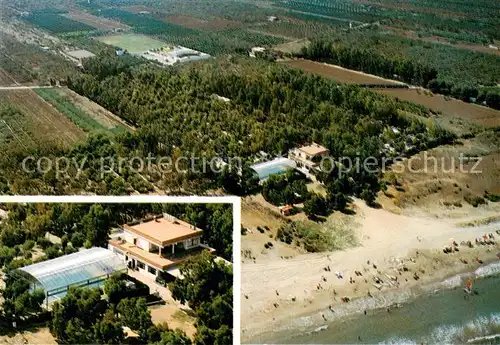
442, 316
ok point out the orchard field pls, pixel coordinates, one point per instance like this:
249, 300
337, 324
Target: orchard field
28, 121
55, 22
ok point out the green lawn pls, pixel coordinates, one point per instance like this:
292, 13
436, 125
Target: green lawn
133, 43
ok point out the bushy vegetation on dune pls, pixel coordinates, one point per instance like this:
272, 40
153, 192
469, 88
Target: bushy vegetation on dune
315, 237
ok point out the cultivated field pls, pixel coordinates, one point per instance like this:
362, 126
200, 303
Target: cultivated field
436, 39
103, 116
56, 23
39, 122
97, 22
197, 23
6, 79
133, 43
292, 47
448, 106
338, 73
85, 114
137, 8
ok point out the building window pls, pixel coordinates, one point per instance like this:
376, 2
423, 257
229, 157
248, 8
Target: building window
141, 265
151, 270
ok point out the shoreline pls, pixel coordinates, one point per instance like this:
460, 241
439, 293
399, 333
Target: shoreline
280, 294
313, 322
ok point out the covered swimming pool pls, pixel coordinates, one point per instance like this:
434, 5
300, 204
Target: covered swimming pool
88, 267
276, 166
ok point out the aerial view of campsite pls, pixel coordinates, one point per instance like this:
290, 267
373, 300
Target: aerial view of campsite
362, 136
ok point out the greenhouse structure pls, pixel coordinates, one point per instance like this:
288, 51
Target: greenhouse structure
88, 267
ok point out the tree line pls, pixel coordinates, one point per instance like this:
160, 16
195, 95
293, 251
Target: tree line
370, 61
411, 71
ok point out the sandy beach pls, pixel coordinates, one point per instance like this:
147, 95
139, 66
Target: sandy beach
304, 292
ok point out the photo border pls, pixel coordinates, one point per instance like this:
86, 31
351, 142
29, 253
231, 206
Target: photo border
161, 199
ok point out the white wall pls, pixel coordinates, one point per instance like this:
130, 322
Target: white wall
128, 237
145, 271
142, 243
117, 251
189, 244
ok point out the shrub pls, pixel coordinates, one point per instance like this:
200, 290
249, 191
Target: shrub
492, 197
318, 237
474, 200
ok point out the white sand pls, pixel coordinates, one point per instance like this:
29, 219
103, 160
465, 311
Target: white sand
385, 237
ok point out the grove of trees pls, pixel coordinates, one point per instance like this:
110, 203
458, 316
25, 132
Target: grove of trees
83, 316
207, 288
462, 74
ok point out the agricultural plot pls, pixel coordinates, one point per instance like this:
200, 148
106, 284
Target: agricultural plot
133, 43
27, 63
292, 47
96, 120
94, 21
342, 75
57, 23
6, 79
106, 118
29, 121
447, 106
481, 48
299, 29
234, 40
323, 9
198, 23
453, 64
452, 19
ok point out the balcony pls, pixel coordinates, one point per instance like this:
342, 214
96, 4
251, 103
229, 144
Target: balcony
302, 161
180, 254
163, 261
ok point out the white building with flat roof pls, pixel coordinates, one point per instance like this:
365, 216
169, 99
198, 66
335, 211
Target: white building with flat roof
308, 158
157, 247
